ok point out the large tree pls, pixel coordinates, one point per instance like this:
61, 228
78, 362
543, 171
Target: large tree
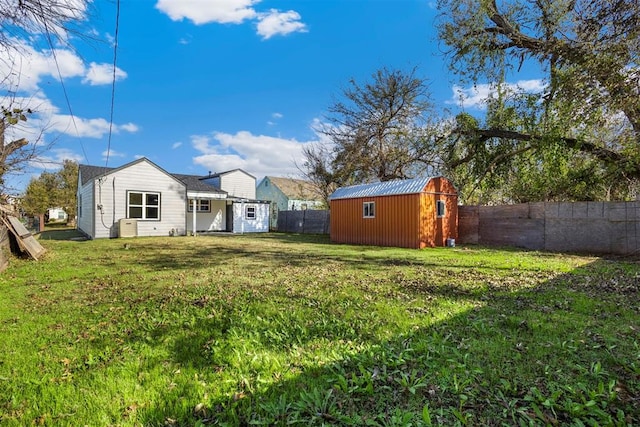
588, 50
53, 190
377, 130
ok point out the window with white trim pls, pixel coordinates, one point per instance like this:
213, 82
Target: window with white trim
369, 209
143, 205
249, 212
201, 205
441, 208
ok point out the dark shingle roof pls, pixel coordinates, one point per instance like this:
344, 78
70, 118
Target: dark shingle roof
195, 183
192, 182
89, 173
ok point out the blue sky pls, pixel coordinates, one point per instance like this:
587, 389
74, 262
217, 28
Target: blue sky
214, 85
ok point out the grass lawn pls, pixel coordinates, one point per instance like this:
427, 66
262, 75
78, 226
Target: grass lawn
279, 329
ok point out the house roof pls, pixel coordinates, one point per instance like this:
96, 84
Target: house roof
192, 182
386, 188
295, 188
219, 174
89, 173
195, 183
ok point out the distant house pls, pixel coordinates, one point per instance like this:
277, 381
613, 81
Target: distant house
412, 213
142, 199
288, 194
56, 214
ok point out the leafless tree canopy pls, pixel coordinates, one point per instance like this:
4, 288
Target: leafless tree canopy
54, 19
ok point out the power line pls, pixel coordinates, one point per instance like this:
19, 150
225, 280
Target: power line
64, 88
113, 82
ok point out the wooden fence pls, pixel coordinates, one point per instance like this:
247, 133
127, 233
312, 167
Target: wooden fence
5, 247
304, 221
591, 227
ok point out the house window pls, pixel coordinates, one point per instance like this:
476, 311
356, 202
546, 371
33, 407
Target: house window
201, 205
440, 208
250, 212
143, 205
369, 210
80, 206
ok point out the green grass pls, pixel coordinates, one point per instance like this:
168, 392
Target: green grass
283, 329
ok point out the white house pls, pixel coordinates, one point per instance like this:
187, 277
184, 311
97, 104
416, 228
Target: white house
142, 199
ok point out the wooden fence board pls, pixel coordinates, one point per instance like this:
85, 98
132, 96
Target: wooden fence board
25, 240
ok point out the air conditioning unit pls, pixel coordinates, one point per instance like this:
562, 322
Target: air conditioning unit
127, 227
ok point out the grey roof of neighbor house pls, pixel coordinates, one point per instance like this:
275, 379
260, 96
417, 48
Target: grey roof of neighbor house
386, 188
295, 188
192, 182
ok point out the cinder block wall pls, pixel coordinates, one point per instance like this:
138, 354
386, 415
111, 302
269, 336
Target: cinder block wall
591, 227
304, 221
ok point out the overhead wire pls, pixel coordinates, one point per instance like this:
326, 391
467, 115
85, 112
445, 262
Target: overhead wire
64, 88
113, 81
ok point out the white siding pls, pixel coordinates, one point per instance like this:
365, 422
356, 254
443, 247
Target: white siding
86, 220
111, 194
209, 221
298, 205
258, 225
238, 184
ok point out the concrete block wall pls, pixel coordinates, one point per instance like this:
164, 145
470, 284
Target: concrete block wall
590, 227
304, 221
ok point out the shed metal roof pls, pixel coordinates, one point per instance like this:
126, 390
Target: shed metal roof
386, 188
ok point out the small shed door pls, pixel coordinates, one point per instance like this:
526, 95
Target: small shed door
229, 225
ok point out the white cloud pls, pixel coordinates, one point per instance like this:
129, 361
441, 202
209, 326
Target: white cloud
46, 118
129, 127
176, 145
101, 74
280, 23
54, 159
277, 115
26, 67
269, 24
111, 154
88, 128
207, 11
477, 96
253, 153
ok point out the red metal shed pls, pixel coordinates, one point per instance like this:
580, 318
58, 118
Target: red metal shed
412, 213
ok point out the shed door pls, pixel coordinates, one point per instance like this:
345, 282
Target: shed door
229, 226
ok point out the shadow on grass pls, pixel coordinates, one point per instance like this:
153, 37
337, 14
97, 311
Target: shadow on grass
62, 233
562, 351
221, 251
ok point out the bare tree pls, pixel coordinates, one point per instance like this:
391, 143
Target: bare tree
379, 130
54, 19
52, 22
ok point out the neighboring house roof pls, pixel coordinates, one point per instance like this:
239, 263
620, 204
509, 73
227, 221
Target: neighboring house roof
386, 188
297, 189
